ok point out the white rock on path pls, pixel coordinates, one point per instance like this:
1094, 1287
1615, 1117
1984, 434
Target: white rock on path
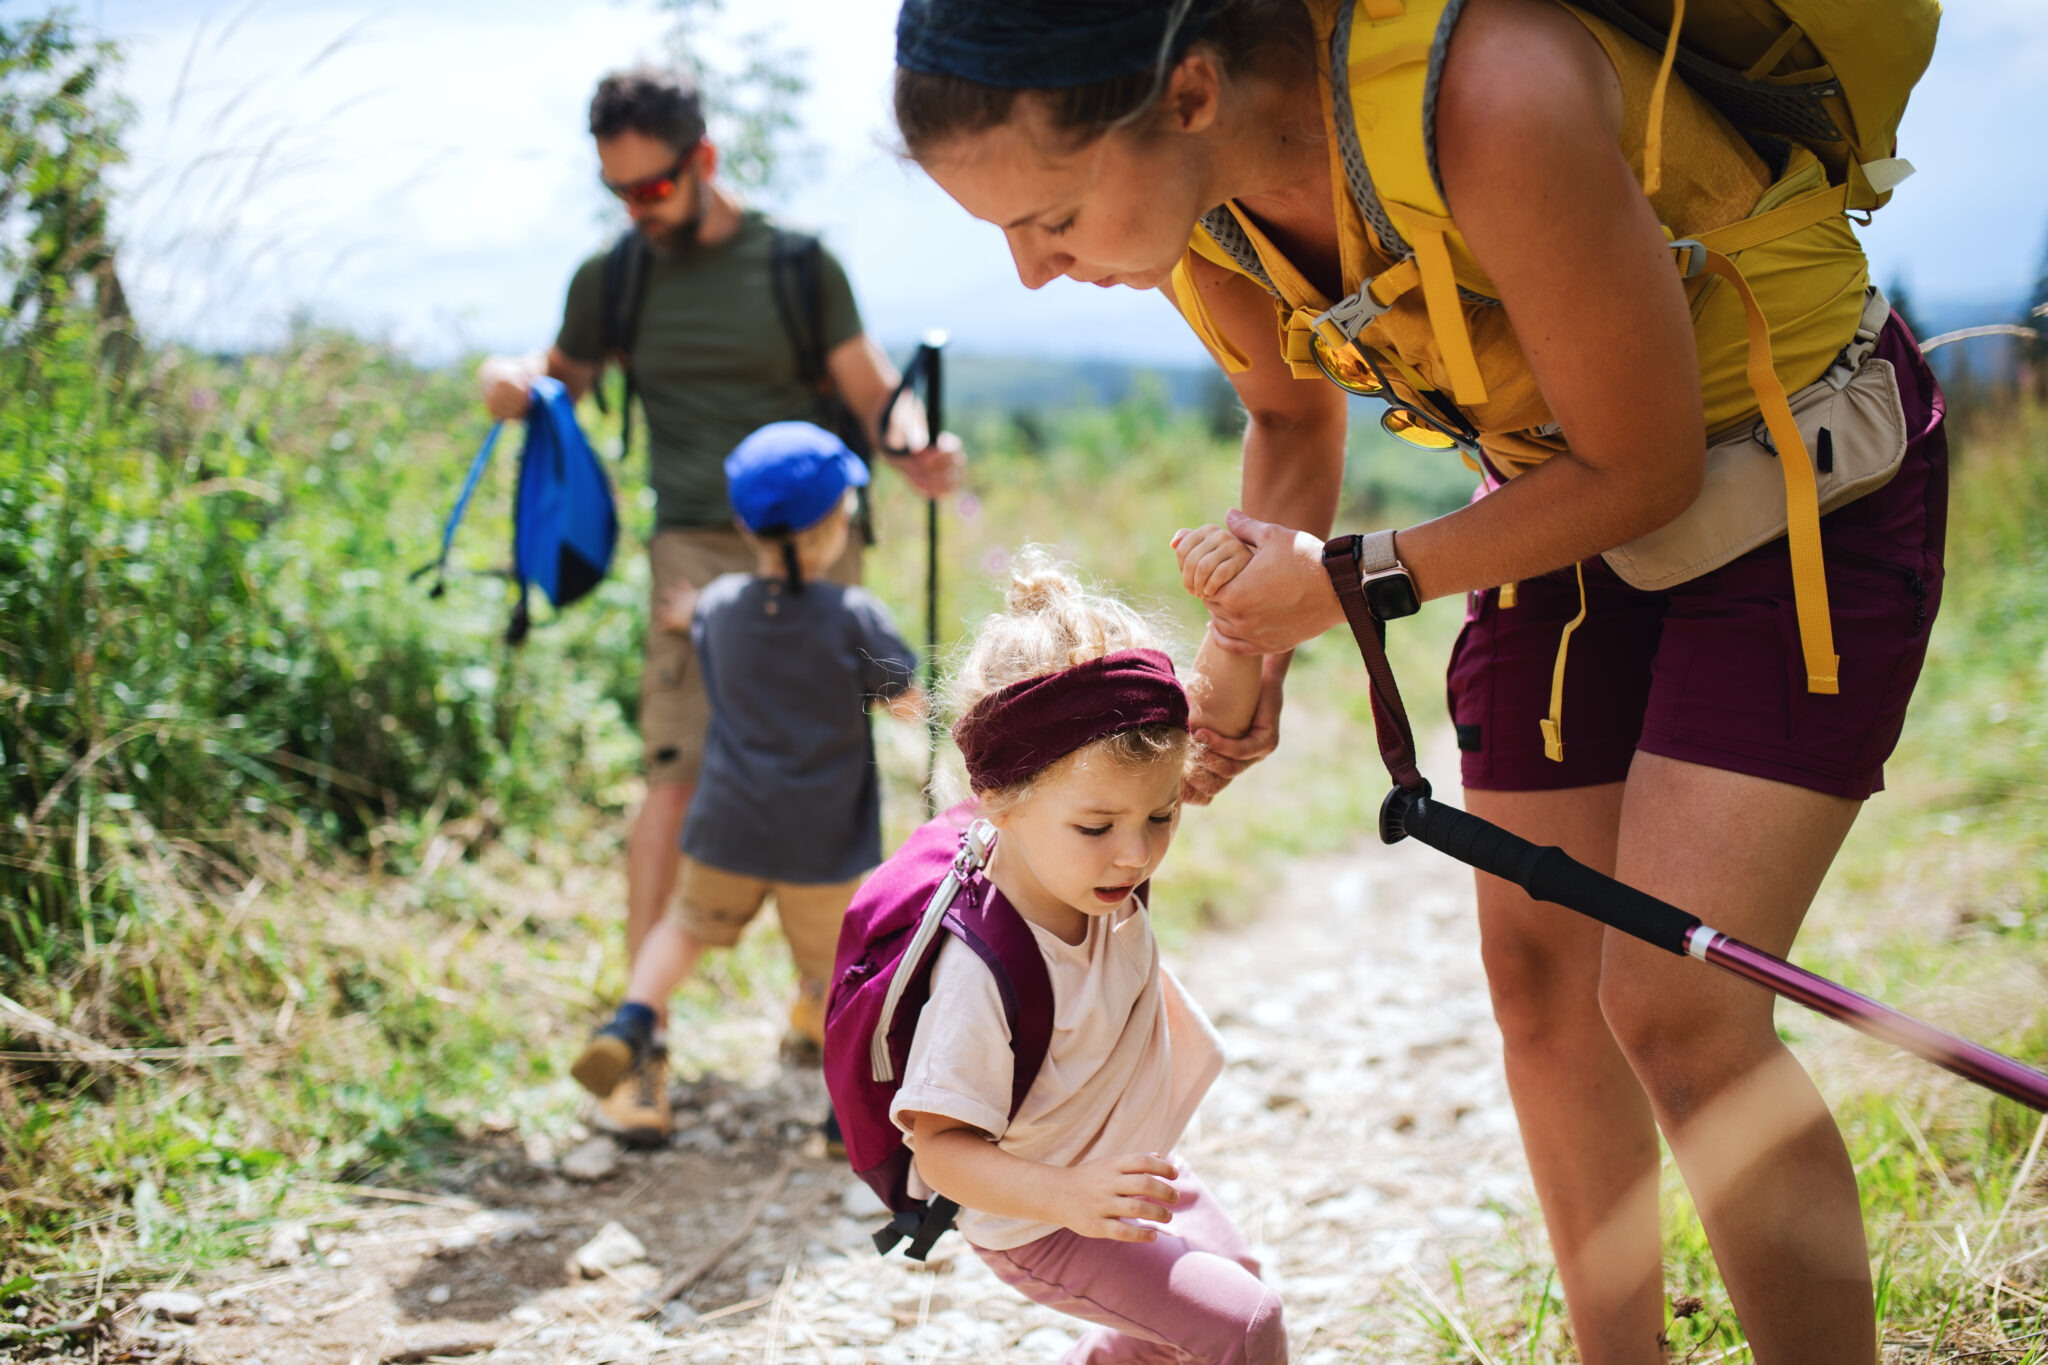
612, 1248
170, 1303
592, 1160
287, 1243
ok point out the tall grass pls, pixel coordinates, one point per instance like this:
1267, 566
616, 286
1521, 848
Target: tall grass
308, 875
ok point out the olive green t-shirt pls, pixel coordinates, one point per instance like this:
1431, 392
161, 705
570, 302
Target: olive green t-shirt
711, 359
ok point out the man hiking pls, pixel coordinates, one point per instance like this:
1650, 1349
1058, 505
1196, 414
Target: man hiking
711, 309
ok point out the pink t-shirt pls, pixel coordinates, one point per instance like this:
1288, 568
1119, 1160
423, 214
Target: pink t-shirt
1131, 1056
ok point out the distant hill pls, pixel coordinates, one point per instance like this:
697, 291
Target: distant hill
1032, 384
1010, 384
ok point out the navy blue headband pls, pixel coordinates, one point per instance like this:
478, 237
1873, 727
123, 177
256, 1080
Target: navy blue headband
1044, 44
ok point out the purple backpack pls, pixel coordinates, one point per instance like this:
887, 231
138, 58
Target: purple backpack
880, 983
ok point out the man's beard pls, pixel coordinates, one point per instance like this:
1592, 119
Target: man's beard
672, 240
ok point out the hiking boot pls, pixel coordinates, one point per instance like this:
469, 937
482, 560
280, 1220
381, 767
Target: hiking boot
804, 1043
617, 1049
636, 1112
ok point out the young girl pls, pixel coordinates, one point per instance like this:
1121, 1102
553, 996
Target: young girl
1075, 733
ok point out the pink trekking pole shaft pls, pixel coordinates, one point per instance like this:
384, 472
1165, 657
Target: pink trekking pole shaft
1549, 874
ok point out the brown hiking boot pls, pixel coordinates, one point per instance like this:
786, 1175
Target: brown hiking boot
804, 1043
636, 1112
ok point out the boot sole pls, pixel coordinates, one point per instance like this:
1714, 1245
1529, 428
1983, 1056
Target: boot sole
603, 1064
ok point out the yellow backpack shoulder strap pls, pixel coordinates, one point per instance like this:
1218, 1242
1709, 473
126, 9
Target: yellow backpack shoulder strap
1187, 294
1385, 94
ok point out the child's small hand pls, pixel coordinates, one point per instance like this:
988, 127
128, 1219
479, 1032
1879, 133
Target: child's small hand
1097, 1196
1210, 557
676, 608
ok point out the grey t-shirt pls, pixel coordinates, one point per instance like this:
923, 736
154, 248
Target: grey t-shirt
789, 791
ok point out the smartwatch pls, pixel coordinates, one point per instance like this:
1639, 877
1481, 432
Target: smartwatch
1389, 591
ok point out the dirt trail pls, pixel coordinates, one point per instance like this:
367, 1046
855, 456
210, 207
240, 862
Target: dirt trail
1361, 1128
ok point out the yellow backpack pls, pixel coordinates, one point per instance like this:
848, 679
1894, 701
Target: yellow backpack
1827, 76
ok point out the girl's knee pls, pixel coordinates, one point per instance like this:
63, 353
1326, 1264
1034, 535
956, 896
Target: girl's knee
1265, 1335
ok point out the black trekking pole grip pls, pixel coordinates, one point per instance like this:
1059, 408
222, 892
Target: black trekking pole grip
1546, 872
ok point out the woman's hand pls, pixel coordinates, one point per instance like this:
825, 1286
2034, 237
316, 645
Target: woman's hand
1094, 1198
1279, 599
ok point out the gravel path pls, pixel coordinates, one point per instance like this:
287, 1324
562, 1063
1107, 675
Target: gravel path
1360, 1134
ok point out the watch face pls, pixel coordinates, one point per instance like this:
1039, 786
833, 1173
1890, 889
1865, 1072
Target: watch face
1391, 597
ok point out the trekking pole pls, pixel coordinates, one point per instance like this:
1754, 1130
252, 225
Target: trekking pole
926, 361
1549, 874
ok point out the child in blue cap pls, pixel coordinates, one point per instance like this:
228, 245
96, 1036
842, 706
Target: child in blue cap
788, 804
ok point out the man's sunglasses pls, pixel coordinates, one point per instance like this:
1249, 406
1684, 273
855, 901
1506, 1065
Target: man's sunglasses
652, 189
1354, 371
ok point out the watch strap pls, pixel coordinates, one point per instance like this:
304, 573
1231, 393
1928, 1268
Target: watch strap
1389, 717
1376, 553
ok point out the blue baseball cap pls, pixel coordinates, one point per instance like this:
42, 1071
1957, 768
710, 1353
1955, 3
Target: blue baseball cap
790, 475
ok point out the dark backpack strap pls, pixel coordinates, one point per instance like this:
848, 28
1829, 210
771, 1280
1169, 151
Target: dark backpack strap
793, 277
999, 936
625, 286
796, 277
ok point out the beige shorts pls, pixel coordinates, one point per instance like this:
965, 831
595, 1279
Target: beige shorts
715, 905
674, 710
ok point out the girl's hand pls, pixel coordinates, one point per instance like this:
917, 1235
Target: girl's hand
1219, 758
1210, 557
1095, 1197
1281, 597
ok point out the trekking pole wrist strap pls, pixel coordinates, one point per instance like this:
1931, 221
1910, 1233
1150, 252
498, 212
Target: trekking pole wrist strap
1342, 557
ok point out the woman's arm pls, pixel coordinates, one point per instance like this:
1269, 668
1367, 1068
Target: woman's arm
1527, 139
1527, 133
1292, 475
1091, 1199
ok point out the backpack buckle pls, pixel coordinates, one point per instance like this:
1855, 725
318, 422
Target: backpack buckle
923, 1226
974, 847
1352, 315
1693, 257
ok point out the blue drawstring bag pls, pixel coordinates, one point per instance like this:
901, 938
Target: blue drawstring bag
564, 523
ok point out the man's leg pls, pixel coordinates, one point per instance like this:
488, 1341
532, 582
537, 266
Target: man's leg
1760, 1152
1586, 1124
653, 858
674, 715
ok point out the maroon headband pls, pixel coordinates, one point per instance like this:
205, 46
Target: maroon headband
1016, 731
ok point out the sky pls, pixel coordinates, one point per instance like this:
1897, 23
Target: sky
419, 171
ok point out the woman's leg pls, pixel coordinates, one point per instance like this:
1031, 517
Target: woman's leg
1586, 1125
1756, 1144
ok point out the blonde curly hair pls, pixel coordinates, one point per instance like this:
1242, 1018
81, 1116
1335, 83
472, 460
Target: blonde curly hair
1051, 623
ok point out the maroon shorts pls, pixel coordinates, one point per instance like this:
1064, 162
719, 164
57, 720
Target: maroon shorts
1711, 672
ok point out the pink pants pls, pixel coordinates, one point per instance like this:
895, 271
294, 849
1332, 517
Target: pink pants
1191, 1297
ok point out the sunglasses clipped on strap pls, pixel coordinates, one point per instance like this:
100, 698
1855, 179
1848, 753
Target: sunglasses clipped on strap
652, 189
1402, 420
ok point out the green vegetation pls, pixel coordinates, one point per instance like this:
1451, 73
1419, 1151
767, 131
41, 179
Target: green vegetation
306, 873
